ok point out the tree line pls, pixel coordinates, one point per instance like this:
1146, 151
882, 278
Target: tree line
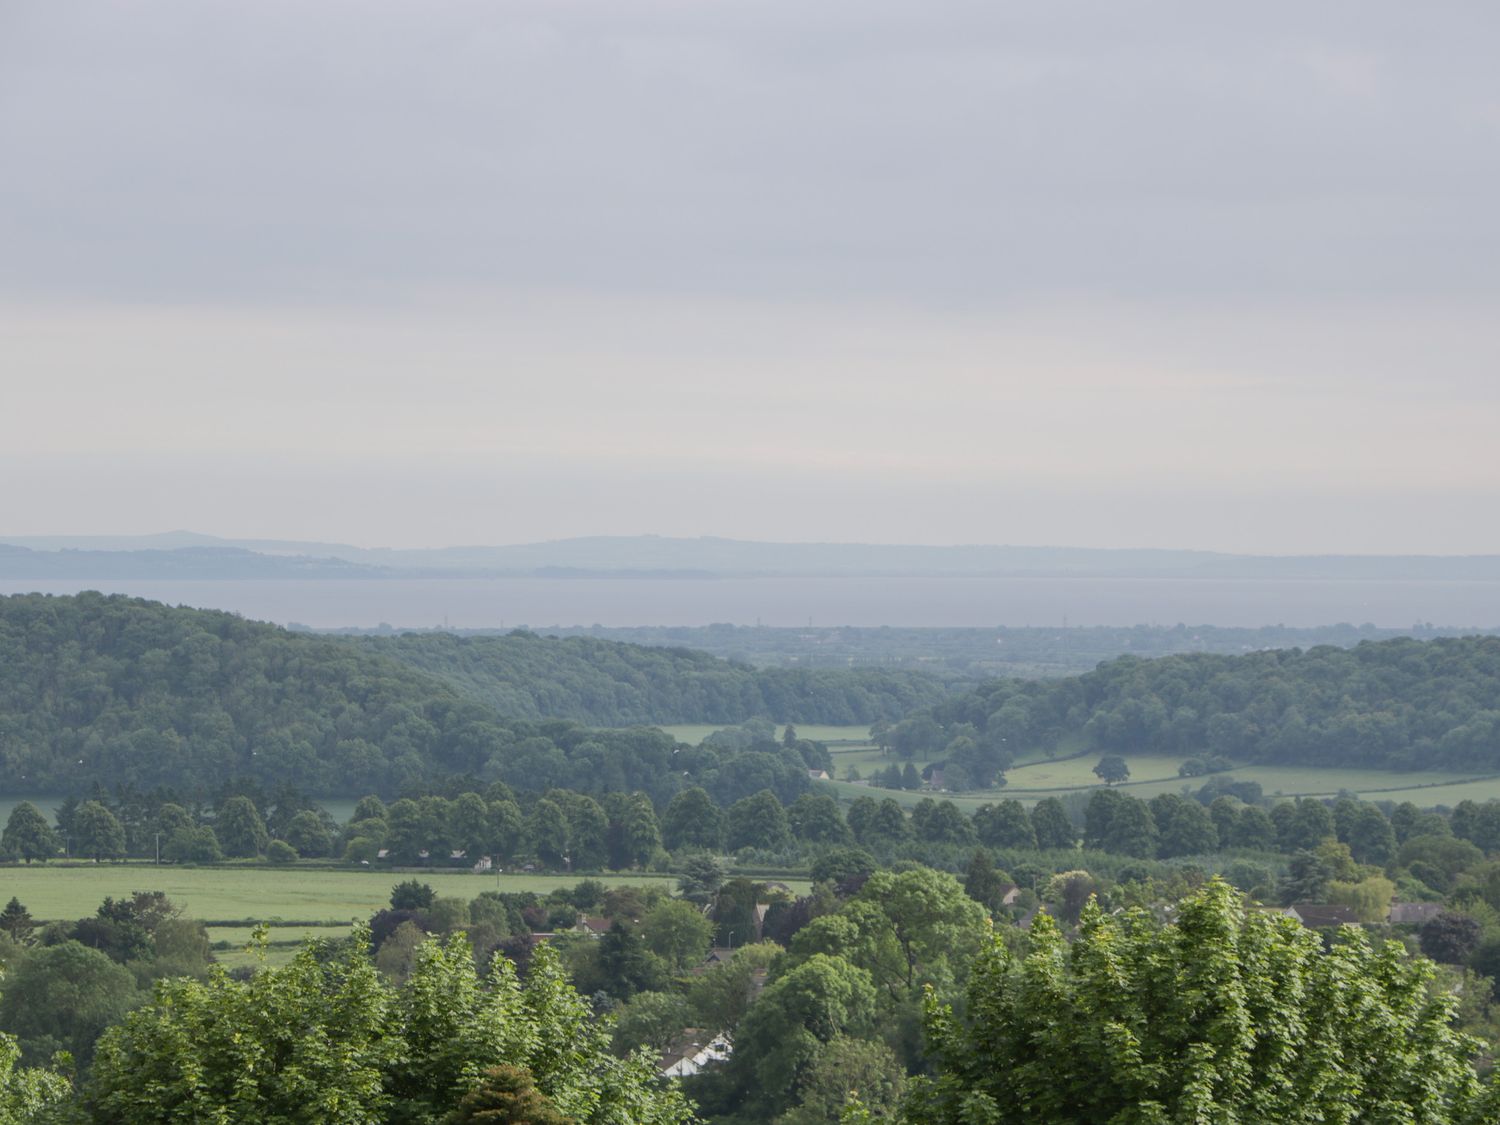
1398, 704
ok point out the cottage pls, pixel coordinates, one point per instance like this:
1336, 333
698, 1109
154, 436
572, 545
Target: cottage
819, 775
1413, 913
692, 1051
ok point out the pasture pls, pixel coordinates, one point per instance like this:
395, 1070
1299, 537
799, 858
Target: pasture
245, 894
694, 733
1151, 774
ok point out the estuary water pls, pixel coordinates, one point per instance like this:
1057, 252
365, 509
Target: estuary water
471, 603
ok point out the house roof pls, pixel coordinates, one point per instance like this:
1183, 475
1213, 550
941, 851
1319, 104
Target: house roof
1319, 916
1413, 913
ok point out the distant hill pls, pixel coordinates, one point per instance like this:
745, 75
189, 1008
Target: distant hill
117, 691
181, 562
608, 683
708, 556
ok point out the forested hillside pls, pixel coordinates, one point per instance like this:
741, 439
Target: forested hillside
1398, 704
122, 691
606, 683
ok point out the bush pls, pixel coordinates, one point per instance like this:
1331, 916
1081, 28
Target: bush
280, 852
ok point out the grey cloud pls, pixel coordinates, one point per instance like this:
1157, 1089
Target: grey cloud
949, 152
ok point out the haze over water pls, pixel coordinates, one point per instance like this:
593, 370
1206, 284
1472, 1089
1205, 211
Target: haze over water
951, 602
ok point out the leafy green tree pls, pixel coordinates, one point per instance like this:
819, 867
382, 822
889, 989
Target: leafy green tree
848, 1068
651, 1020
240, 830
983, 883
701, 878
784, 1032
326, 1040
908, 929
692, 820
626, 965
547, 830
1307, 878
1226, 1016
1450, 937
757, 821
634, 834
1119, 823
412, 894
940, 822
280, 853
17, 921
308, 834
192, 845
588, 830
62, 997
28, 836
721, 996
1004, 825
678, 933
1184, 827
1306, 825
1053, 828
814, 818
506, 1095
96, 832
1111, 769
26, 1092
1253, 828
1370, 836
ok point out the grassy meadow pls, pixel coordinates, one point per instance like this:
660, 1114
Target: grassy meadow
694, 733
245, 894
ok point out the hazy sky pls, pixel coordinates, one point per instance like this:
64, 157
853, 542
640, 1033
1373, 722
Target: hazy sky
430, 271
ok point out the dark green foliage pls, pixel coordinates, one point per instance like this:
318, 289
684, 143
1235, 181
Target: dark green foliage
757, 821
61, 997
1450, 938
1005, 825
692, 820
1049, 820
96, 833
1112, 768
28, 836
122, 691
1396, 704
412, 895
506, 1095
16, 921
610, 684
239, 828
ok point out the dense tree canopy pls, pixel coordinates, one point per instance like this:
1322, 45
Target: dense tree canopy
1397, 704
1228, 1016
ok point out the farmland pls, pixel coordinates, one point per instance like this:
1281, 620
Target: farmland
246, 894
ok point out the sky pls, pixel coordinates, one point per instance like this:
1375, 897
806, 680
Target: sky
409, 273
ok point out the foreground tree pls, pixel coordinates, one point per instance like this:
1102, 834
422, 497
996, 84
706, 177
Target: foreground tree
326, 1040
25, 1092
1226, 1016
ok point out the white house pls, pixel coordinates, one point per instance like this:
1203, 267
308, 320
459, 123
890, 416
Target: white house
693, 1050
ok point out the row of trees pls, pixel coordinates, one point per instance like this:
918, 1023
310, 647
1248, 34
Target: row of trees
1396, 704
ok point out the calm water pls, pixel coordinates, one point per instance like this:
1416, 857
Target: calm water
510, 602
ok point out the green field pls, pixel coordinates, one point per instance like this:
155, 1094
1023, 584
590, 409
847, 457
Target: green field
1152, 774
258, 893
694, 733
